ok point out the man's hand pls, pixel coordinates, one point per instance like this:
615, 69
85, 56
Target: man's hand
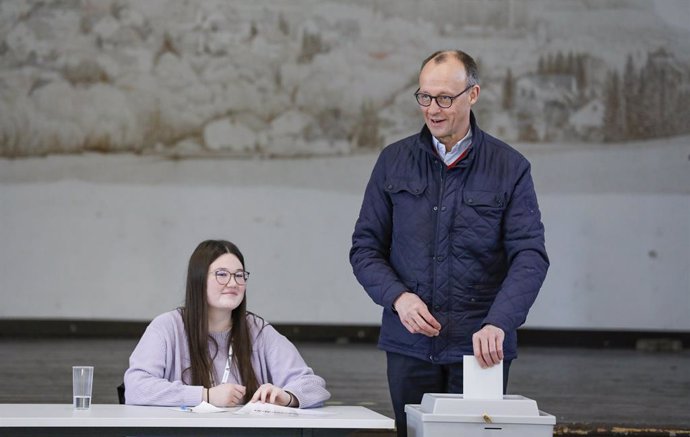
488, 345
415, 316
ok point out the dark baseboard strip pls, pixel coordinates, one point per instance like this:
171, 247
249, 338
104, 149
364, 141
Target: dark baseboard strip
612, 430
64, 328
623, 339
645, 340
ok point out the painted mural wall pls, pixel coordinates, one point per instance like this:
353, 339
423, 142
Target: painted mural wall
130, 131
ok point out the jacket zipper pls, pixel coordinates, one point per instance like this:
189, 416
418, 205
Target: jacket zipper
439, 207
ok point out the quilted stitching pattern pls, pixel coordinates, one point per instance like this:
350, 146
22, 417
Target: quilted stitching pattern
468, 240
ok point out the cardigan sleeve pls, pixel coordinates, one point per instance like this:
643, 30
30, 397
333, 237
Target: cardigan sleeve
285, 368
150, 378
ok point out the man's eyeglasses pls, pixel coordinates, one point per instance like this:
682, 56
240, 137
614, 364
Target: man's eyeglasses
442, 101
223, 276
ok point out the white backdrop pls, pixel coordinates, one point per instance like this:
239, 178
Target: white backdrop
108, 237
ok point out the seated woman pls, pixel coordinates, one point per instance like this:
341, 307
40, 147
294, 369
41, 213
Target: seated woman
213, 350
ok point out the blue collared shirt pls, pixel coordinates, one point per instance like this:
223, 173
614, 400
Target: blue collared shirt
456, 151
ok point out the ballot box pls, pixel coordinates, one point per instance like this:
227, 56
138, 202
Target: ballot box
441, 415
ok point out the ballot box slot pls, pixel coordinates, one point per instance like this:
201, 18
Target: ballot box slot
443, 414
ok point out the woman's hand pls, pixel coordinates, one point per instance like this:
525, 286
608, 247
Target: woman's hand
226, 395
269, 393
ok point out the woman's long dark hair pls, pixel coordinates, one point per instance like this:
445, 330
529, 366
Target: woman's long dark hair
195, 317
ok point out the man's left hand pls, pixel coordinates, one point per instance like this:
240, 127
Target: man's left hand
488, 345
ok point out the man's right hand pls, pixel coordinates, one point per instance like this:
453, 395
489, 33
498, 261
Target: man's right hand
415, 316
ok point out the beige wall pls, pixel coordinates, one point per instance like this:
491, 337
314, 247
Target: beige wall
130, 131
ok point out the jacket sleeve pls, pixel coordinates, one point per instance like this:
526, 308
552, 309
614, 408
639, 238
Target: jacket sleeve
286, 369
371, 241
145, 379
523, 237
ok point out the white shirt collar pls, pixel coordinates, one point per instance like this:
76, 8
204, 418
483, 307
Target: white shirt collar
456, 151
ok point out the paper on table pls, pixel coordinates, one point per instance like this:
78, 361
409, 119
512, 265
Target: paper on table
481, 383
265, 408
204, 407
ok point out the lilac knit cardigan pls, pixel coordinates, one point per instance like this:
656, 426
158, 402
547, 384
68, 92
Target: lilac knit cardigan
154, 376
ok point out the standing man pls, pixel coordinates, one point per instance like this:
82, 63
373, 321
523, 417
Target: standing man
449, 241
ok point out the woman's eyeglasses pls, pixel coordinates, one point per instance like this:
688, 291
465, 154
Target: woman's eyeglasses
223, 276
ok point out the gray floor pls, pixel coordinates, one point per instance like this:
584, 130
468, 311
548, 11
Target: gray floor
583, 388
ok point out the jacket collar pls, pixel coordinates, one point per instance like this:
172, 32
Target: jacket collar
425, 142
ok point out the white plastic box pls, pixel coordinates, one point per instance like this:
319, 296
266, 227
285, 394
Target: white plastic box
442, 415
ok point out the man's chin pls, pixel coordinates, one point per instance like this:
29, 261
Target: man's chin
436, 132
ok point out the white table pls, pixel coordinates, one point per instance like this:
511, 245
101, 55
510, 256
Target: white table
128, 420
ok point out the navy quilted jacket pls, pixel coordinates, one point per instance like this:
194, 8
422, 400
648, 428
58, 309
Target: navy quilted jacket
468, 240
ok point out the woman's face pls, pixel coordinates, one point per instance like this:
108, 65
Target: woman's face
228, 296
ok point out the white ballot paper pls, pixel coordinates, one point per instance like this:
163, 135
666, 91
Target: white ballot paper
204, 407
481, 383
266, 408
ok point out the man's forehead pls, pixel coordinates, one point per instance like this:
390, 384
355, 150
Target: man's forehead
443, 71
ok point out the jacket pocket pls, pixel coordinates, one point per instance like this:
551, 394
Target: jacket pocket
483, 287
478, 298
483, 212
483, 292
410, 209
481, 200
404, 187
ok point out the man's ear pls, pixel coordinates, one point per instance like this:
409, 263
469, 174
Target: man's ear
474, 94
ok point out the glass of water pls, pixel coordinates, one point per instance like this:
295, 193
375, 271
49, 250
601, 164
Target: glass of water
82, 383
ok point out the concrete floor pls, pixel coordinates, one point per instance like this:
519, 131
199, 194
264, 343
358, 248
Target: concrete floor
598, 392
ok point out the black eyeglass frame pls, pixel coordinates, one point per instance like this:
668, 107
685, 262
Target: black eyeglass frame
241, 276
417, 96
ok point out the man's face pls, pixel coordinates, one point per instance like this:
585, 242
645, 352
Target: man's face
448, 125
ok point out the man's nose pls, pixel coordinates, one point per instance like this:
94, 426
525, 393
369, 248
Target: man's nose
434, 107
